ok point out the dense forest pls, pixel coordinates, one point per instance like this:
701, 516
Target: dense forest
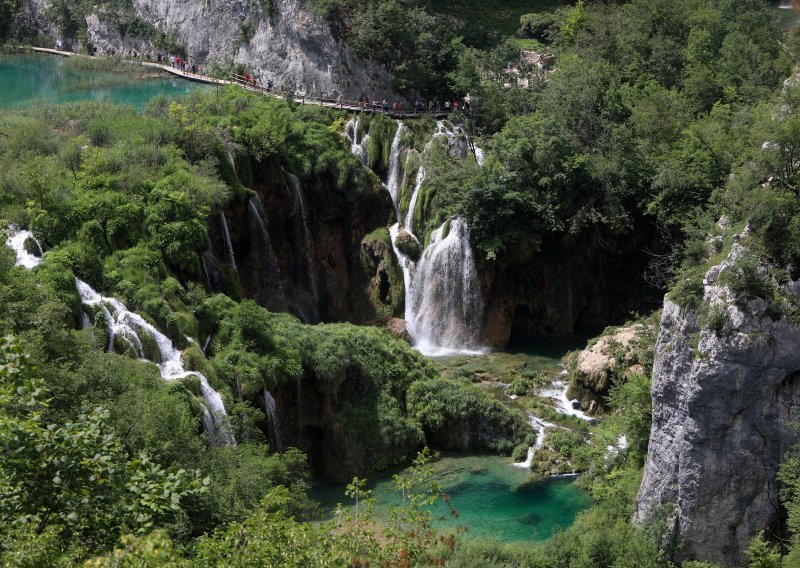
680, 116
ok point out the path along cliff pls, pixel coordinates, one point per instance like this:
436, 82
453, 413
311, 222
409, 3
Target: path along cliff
288, 42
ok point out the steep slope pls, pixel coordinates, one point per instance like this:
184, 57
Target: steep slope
280, 40
724, 388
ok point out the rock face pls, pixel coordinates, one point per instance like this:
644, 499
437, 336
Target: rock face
570, 286
722, 405
613, 357
322, 279
291, 44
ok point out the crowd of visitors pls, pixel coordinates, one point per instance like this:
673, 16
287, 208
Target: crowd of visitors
185, 65
433, 105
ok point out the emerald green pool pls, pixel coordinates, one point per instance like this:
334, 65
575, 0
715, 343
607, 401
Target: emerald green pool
492, 497
27, 79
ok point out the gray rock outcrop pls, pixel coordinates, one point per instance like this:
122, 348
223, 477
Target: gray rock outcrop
292, 44
722, 413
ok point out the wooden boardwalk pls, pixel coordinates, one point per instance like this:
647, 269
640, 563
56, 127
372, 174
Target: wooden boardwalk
337, 104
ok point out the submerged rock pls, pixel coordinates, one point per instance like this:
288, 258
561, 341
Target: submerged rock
722, 414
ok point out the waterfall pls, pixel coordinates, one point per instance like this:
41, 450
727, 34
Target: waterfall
563, 404
205, 270
393, 182
444, 304
539, 427
272, 418
130, 326
125, 324
259, 225
227, 235
360, 149
16, 241
303, 242
208, 427
231, 160
479, 155
443, 300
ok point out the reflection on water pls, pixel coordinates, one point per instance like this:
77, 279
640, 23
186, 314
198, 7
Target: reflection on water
26, 79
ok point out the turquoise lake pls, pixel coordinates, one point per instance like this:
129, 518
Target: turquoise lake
492, 497
27, 79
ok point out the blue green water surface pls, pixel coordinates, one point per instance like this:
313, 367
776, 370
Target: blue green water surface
492, 498
27, 79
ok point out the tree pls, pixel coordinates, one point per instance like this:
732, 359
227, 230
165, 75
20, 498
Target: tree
74, 480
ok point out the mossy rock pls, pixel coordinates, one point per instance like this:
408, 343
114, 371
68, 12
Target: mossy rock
520, 453
379, 235
150, 348
124, 346
32, 247
408, 245
188, 324
192, 384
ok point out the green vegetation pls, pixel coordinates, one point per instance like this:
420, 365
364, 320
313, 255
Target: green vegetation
655, 114
122, 201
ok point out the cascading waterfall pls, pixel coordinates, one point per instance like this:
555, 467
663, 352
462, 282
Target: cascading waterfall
393, 183
227, 236
129, 325
444, 304
563, 403
16, 241
360, 149
440, 132
258, 225
303, 244
274, 424
539, 426
443, 299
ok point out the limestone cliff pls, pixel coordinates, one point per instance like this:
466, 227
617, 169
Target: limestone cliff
725, 382
278, 40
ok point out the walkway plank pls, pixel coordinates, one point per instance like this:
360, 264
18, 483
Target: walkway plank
303, 100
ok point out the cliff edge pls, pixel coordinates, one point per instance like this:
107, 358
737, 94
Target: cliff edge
725, 383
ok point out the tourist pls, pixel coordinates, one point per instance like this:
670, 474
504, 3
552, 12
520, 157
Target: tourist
58, 44
447, 106
385, 105
455, 105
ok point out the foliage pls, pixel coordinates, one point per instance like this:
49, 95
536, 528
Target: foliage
443, 406
75, 479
